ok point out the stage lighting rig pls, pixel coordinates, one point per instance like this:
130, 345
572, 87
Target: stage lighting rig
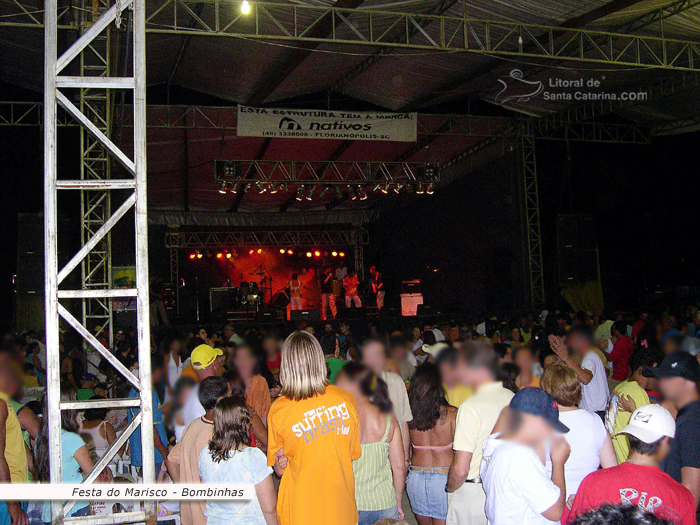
310, 194
430, 189
317, 253
420, 189
282, 250
339, 192
245, 7
224, 187
300, 193
219, 255
290, 252
351, 192
386, 187
193, 255
236, 188
324, 190
273, 188
260, 187
362, 193
341, 254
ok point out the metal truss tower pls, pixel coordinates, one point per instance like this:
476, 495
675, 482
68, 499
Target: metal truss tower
96, 204
57, 301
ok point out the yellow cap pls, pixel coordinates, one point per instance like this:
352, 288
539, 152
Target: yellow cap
203, 356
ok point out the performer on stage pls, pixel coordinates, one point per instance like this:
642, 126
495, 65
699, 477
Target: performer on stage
327, 295
377, 286
350, 283
295, 292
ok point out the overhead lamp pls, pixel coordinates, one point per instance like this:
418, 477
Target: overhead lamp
228, 255
324, 190
245, 7
300, 193
317, 253
376, 187
199, 255
420, 189
353, 195
310, 195
398, 187
284, 187
236, 188
219, 255
339, 192
431, 189
273, 188
309, 254
385, 189
334, 254
193, 255
362, 193
222, 188
251, 252
261, 187
341, 254
259, 250
290, 252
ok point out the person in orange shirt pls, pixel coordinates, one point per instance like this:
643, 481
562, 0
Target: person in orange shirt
313, 438
257, 392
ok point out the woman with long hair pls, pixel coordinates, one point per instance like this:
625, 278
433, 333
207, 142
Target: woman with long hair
101, 431
380, 473
313, 439
257, 391
230, 459
172, 352
432, 432
76, 461
258, 430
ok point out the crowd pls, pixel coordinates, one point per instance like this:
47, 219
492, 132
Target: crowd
553, 417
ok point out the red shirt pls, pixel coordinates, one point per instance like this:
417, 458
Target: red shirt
274, 366
620, 357
636, 327
648, 487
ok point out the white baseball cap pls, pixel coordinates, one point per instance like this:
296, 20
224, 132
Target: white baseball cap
435, 349
650, 423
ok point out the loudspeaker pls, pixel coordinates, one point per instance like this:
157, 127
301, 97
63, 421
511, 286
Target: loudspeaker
305, 315
577, 249
269, 316
30, 254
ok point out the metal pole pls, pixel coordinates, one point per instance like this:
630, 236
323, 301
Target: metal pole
53, 389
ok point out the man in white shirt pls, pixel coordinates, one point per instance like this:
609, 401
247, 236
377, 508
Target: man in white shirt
373, 354
205, 361
518, 489
591, 371
476, 366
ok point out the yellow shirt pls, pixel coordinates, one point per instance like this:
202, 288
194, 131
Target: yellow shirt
15, 455
476, 418
320, 438
534, 383
457, 395
616, 419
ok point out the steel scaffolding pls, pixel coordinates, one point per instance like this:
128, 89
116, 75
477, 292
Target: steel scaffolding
94, 123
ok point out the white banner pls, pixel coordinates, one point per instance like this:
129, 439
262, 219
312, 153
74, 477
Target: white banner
126, 492
320, 124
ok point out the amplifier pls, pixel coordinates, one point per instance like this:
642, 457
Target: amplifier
305, 315
410, 286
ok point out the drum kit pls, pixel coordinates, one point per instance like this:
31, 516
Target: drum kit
251, 294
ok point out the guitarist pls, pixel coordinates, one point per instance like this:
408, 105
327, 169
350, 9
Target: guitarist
377, 286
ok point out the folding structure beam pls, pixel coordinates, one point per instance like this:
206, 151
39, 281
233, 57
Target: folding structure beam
222, 240
95, 122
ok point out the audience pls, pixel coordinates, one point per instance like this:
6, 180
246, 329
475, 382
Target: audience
205, 363
257, 391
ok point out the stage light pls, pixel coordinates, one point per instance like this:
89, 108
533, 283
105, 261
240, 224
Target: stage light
273, 188
284, 187
228, 255
334, 254
317, 253
385, 189
431, 189
251, 252
341, 254
219, 255
281, 250
290, 252
376, 187
245, 7
339, 192
310, 195
259, 250
324, 190
260, 187
236, 188
300, 192
222, 188
199, 255
351, 191
193, 255
398, 187
309, 254
420, 189
363, 194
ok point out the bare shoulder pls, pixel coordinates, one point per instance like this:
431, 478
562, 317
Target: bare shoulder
451, 413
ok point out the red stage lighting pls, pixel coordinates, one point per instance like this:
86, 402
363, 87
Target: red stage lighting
309, 254
251, 252
193, 255
228, 255
317, 253
219, 255
290, 252
199, 255
342, 254
282, 250
259, 250
334, 254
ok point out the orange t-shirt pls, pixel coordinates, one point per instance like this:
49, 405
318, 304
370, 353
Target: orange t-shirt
320, 437
258, 397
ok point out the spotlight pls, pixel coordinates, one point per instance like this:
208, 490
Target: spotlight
245, 7
193, 255
259, 250
339, 192
281, 250
290, 252
376, 187
236, 188
284, 187
310, 195
431, 189
309, 254
300, 192
317, 253
397, 188
351, 191
334, 254
363, 194
219, 255
273, 188
260, 187
342, 254
222, 188
420, 189
324, 190
251, 252
199, 255
385, 189
228, 255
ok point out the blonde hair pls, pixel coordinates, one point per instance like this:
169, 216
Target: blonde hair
303, 371
563, 384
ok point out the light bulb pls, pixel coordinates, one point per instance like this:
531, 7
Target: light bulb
245, 7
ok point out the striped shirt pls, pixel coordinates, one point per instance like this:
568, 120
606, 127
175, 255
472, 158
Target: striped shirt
374, 486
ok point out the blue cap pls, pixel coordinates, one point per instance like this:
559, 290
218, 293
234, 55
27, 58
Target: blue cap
537, 402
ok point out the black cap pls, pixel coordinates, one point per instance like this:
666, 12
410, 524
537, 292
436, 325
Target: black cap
537, 402
676, 364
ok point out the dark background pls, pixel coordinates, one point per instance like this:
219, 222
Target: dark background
643, 199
